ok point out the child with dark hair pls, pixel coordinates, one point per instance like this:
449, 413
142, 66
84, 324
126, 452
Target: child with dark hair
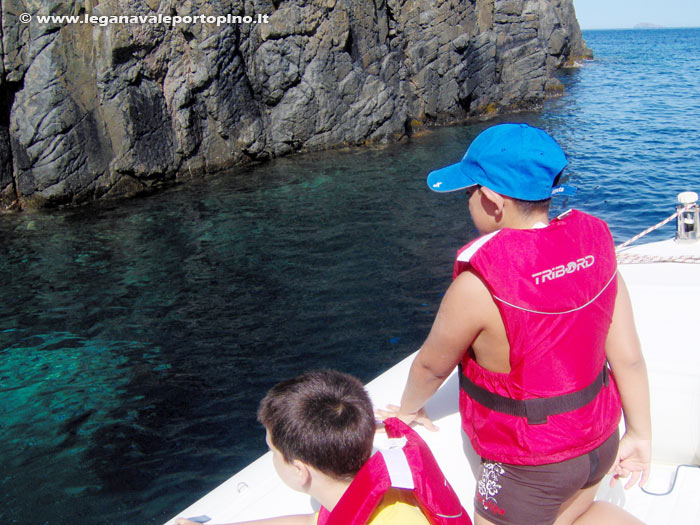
323, 419
320, 429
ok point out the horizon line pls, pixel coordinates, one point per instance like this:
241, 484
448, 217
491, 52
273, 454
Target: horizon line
636, 28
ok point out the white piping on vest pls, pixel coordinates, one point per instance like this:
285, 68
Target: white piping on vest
467, 254
565, 311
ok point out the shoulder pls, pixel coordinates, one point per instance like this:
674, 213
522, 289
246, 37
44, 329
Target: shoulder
593, 231
465, 298
465, 254
578, 216
469, 283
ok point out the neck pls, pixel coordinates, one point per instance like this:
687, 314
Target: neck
328, 491
521, 221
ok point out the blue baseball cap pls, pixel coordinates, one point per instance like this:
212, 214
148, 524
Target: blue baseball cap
515, 160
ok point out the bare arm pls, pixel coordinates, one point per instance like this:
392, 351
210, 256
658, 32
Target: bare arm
299, 519
624, 354
457, 323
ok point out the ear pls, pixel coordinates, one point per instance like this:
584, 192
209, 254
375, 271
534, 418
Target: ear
497, 201
302, 473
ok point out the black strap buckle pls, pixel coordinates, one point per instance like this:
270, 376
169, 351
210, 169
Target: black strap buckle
535, 411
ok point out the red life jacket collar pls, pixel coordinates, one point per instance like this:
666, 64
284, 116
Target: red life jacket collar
410, 465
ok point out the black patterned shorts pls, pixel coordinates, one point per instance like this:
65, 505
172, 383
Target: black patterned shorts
532, 494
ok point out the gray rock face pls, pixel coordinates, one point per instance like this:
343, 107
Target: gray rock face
103, 107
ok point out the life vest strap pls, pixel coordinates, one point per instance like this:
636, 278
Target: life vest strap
535, 410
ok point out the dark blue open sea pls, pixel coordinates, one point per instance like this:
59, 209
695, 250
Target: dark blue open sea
137, 337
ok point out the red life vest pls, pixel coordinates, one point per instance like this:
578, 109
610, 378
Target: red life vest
410, 467
555, 289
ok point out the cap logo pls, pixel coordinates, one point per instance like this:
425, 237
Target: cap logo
564, 190
564, 269
437, 184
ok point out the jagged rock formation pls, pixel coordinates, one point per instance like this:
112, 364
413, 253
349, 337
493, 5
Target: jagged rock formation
100, 109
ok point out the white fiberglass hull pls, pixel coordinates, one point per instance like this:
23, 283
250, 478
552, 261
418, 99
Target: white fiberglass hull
665, 299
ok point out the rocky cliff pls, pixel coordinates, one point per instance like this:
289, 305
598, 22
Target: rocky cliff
128, 94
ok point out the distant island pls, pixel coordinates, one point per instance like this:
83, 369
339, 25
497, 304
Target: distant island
645, 25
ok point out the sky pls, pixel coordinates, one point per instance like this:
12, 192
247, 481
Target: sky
624, 14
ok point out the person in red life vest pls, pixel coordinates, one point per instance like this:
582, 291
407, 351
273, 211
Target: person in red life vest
320, 428
540, 325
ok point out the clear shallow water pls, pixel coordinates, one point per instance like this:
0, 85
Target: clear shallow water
137, 338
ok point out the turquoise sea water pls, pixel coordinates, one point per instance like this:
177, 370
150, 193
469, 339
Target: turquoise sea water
137, 337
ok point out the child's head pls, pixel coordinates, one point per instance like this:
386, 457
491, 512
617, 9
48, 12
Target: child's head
508, 162
324, 419
514, 160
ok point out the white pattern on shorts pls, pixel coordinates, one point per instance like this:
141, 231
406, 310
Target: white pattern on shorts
489, 483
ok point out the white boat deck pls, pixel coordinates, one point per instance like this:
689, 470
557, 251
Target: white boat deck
665, 299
